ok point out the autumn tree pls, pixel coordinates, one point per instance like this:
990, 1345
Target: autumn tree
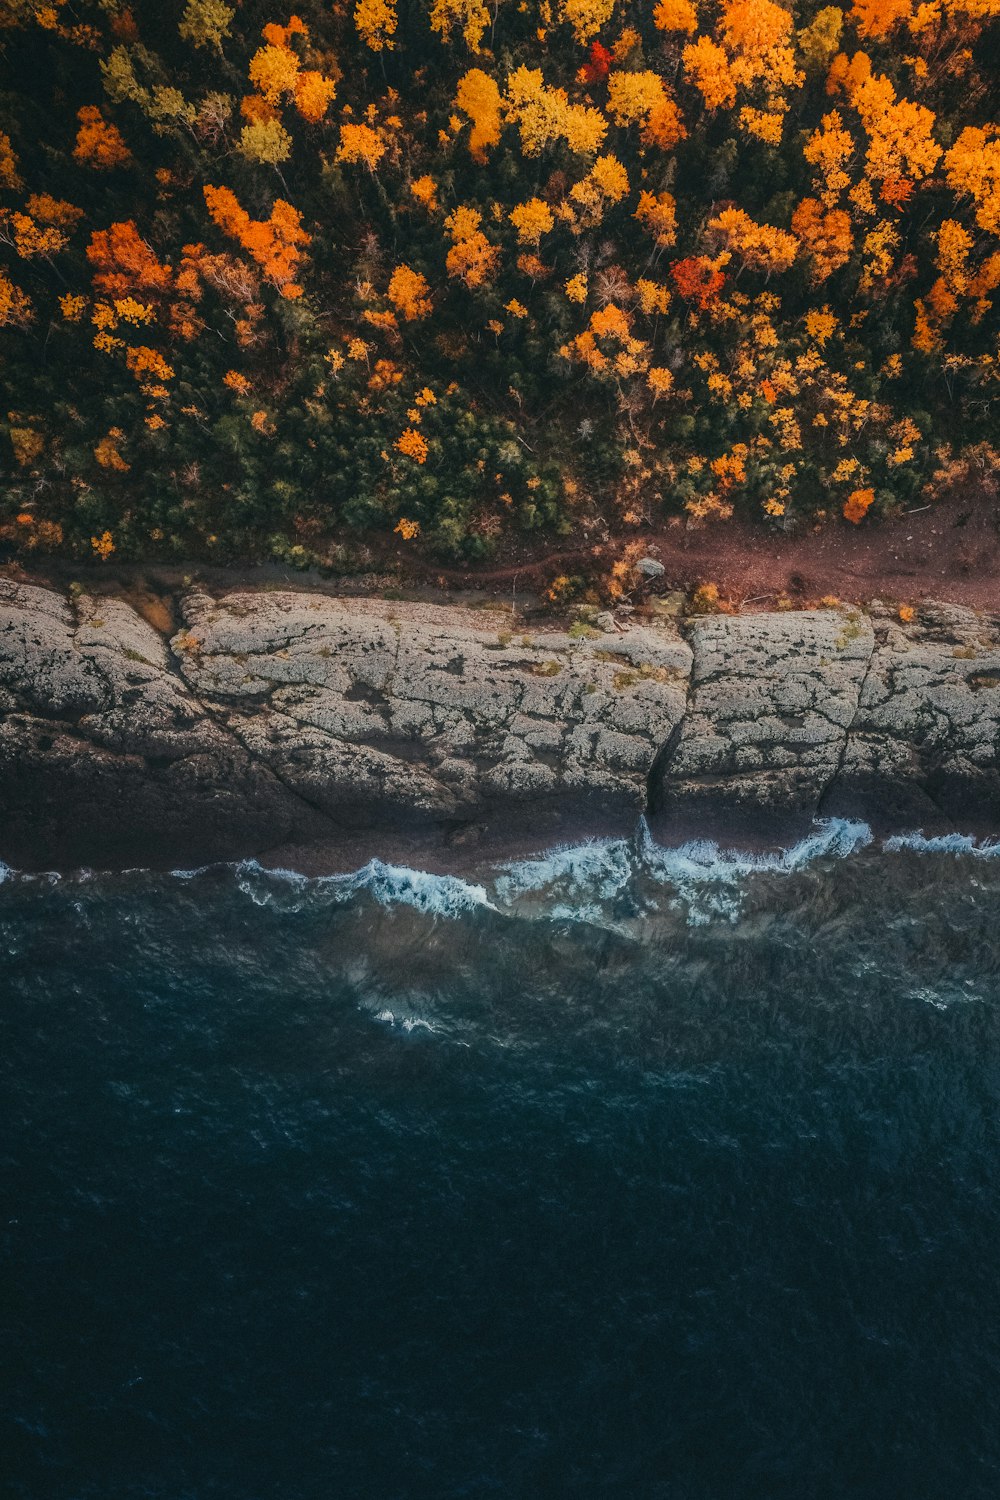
469, 18
544, 115
98, 143
686, 258
471, 259
759, 246
275, 243
206, 23
478, 96
408, 293
376, 21
586, 17
973, 169
826, 236
643, 98
532, 220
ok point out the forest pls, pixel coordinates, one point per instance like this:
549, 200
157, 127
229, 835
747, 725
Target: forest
451, 273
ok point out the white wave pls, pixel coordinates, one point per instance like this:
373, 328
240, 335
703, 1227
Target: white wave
404, 1023
602, 867
29, 877
710, 880
610, 883
943, 843
439, 895
576, 882
389, 885
579, 882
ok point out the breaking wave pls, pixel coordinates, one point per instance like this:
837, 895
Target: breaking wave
389, 885
711, 881
617, 884
945, 843
611, 881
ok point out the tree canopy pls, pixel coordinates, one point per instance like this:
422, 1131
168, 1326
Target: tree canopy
449, 272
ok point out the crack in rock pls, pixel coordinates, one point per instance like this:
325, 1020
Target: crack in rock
285, 716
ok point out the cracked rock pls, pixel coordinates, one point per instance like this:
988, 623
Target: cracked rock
772, 698
290, 717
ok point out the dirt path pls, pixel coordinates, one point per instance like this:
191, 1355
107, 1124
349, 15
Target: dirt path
947, 551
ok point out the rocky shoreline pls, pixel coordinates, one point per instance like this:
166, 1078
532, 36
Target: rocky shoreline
300, 726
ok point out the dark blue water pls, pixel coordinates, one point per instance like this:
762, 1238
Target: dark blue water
632, 1175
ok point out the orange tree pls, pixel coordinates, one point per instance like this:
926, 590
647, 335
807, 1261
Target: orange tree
272, 279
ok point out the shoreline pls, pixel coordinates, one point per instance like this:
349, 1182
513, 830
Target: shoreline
318, 731
774, 843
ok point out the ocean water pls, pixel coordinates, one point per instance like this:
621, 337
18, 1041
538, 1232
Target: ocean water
623, 1172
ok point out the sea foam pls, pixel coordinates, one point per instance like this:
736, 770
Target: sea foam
711, 881
590, 882
943, 843
389, 885
611, 883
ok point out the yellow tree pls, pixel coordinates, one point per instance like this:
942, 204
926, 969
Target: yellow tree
973, 168
471, 259
818, 42
9, 175
876, 18
644, 98
828, 149
753, 54
360, 143
478, 96
15, 305
676, 15
707, 67
266, 141
586, 17
470, 17
544, 115
760, 246
826, 236
376, 22
756, 35
43, 229
901, 146
314, 94
206, 23
274, 72
657, 213
532, 220
606, 182
408, 293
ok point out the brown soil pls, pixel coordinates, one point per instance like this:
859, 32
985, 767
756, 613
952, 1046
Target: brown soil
948, 550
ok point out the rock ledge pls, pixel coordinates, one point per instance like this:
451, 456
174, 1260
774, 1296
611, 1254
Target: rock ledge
272, 720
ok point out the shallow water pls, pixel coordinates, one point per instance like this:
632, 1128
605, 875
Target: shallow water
628, 1171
